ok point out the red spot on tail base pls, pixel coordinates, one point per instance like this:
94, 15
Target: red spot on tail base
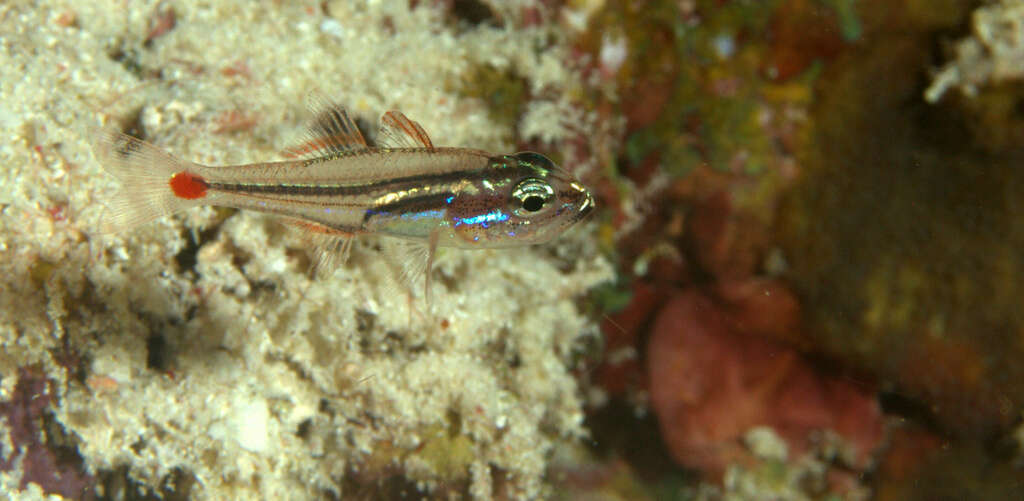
188, 186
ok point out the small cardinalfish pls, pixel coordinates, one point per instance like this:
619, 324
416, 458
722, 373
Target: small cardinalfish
335, 186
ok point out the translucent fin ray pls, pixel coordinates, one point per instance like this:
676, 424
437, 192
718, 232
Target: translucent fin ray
413, 260
398, 131
331, 247
145, 172
331, 131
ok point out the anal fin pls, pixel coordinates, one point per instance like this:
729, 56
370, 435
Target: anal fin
330, 246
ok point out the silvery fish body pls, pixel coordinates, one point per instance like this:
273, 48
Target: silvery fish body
336, 185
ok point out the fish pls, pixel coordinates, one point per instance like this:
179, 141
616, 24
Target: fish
336, 186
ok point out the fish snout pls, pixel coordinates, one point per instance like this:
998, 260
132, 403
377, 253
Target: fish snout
579, 197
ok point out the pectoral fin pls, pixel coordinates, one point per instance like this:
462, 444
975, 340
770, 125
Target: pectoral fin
413, 260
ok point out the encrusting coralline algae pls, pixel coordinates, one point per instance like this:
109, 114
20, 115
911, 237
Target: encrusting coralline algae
200, 349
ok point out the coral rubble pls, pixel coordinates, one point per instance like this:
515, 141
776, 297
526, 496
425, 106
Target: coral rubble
197, 353
993, 54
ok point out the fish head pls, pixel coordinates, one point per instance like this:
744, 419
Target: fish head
528, 199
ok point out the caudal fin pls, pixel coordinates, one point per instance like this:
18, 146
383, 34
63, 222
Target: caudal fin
146, 173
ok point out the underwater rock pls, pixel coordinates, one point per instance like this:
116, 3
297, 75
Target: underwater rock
903, 238
919, 466
711, 384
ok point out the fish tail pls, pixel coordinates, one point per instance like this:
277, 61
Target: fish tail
154, 182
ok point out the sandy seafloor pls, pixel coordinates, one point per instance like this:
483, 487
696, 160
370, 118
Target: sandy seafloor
238, 369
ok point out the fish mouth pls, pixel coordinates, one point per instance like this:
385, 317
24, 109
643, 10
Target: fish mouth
587, 206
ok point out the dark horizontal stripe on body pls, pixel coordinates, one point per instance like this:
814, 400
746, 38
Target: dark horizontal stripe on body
389, 185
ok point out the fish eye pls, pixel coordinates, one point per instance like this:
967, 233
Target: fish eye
532, 194
535, 159
533, 203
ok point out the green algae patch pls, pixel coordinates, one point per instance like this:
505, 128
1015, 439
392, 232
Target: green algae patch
448, 454
702, 88
904, 237
41, 271
504, 91
696, 94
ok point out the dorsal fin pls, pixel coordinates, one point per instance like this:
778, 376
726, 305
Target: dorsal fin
330, 132
397, 131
